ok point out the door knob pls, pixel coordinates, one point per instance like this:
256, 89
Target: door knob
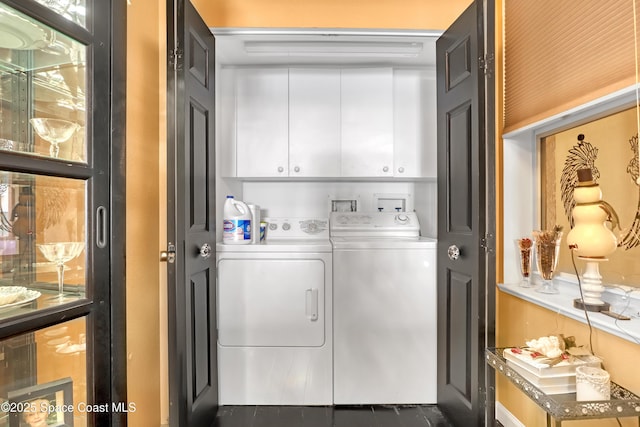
205, 251
453, 252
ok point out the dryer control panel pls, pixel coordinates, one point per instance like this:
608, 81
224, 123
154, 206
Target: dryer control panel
297, 228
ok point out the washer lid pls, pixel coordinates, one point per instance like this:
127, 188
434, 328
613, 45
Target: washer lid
384, 243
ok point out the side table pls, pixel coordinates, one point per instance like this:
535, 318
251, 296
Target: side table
564, 407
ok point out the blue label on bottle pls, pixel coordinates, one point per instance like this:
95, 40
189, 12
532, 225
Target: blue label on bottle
236, 229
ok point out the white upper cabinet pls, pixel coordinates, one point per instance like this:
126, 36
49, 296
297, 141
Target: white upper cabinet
262, 122
322, 122
314, 122
367, 122
414, 123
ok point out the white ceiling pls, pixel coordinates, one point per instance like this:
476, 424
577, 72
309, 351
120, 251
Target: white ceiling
325, 47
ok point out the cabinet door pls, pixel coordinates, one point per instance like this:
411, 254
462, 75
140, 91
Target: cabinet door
262, 127
314, 122
414, 123
367, 122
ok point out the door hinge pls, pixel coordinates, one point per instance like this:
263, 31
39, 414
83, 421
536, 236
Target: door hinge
175, 59
169, 255
485, 63
487, 243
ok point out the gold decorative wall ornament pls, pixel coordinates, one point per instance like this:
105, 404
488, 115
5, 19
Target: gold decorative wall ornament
632, 238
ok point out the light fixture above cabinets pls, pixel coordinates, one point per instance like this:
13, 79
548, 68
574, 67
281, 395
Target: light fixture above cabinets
390, 49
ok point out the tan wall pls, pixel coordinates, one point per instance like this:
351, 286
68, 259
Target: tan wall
518, 321
145, 145
407, 14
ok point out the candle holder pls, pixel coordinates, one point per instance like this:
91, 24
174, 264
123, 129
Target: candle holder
592, 384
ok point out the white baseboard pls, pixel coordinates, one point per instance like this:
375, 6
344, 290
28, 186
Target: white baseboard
506, 418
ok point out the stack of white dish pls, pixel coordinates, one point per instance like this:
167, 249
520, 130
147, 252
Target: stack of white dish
9, 294
549, 378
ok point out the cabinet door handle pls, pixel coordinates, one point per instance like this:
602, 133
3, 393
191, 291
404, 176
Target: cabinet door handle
280, 169
401, 169
311, 304
385, 169
296, 169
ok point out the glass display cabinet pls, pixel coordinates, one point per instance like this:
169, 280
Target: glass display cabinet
56, 81
43, 114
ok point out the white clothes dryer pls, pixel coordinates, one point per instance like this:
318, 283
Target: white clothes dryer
275, 317
385, 309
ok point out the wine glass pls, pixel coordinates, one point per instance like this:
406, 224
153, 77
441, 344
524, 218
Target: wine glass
56, 131
61, 253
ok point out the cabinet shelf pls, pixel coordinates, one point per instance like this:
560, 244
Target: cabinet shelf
564, 407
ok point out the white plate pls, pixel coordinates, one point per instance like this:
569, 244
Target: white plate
59, 341
10, 294
56, 332
17, 32
26, 297
72, 348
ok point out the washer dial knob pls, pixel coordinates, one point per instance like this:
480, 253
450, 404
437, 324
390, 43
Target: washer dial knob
402, 219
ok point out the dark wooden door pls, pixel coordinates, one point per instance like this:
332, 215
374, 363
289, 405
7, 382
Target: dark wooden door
191, 219
465, 218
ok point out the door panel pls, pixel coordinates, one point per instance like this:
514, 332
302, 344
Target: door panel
460, 149
190, 170
459, 297
201, 332
465, 219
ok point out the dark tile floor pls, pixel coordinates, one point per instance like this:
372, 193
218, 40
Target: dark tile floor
329, 416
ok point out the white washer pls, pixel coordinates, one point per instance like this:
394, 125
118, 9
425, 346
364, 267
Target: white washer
385, 312
274, 317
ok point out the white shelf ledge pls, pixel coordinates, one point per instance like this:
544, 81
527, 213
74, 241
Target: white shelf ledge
627, 304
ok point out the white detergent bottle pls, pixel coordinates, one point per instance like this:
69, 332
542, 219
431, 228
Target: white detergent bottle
236, 222
255, 221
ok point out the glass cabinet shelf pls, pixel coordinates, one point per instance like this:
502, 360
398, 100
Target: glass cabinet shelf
564, 407
14, 62
43, 87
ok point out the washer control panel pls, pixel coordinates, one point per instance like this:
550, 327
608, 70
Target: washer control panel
374, 224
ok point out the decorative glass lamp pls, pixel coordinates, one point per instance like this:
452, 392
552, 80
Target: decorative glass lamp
590, 238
